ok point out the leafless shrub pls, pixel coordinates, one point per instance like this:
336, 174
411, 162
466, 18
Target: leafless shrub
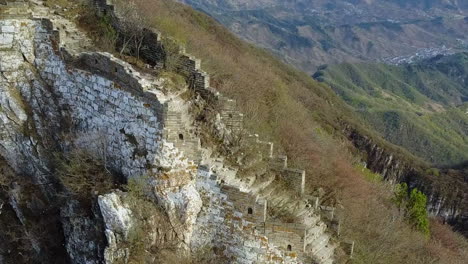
83, 174
132, 26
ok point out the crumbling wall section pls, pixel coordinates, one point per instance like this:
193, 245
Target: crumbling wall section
111, 106
229, 120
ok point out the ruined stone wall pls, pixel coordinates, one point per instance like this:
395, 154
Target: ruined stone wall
296, 179
253, 208
287, 236
225, 224
153, 52
113, 107
176, 131
226, 209
51, 101
199, 81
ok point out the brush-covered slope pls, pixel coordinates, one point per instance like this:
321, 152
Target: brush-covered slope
305, 119
421, 107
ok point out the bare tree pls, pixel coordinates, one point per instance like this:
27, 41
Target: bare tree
132, 26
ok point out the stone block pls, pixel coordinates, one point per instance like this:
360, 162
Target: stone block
8, 29
6, 40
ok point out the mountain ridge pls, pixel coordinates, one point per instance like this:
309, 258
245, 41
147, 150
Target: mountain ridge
308, 34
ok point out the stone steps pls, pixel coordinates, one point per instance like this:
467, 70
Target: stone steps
319, 243
325, 254
15, 10
246, 244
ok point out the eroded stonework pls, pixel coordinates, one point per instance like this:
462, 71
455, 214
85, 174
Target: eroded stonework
55, 95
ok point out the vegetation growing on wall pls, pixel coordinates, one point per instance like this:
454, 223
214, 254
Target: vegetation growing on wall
83, 174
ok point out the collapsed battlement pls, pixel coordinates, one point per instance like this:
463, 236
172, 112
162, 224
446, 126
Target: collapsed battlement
293, 239
108, 66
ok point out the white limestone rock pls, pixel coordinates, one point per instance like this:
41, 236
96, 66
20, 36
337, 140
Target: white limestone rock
182, 205
6, 40
117, 217
118, 220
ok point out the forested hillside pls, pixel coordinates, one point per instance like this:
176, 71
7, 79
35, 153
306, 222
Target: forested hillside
421, 107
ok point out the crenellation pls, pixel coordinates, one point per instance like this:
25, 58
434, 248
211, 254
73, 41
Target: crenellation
266, 148
279, 163
313, 201
296, 178
240, 210
348, 247
328, 212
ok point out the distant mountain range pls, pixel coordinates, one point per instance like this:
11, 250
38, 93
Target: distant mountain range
422, 107
309, 33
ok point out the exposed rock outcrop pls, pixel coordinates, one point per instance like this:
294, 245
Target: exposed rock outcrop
447, 193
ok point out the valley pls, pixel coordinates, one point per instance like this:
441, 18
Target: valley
310, 33
421, 107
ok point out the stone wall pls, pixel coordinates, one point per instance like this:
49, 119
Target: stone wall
199, 81
296, 178
175, 131
153, 53
225, 224
246, 205
53, 102
114, 107
287, 236
247, 213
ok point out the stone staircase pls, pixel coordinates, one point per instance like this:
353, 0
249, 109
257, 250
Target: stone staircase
220, 185
14, 9
241, 240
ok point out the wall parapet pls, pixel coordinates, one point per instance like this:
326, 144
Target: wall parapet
153, 52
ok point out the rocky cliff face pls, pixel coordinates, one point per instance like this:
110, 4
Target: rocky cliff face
447, 192
56, 96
